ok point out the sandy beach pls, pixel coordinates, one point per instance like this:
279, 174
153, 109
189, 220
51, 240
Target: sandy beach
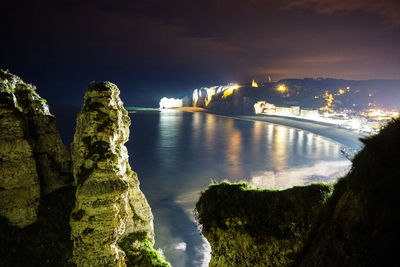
346, 137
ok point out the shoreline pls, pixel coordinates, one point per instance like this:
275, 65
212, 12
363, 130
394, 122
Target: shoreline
343, 136
347, 138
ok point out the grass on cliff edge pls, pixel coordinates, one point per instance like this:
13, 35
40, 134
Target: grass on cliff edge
260, 213
139, 251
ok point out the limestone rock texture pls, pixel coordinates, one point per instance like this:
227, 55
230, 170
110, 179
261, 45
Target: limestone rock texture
109, 206
249, 227
33, 159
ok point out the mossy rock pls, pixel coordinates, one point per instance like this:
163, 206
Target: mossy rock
262, 212
358, 226
253, 227
139, 251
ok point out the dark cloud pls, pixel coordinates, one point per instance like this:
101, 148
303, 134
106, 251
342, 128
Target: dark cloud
388, 9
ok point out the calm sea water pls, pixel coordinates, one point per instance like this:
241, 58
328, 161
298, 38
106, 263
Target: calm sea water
177, 154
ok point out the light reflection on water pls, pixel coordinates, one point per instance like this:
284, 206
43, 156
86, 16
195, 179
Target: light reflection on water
176, 154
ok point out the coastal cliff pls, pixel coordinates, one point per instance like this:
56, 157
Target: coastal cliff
62, 210
354, 226
33, 159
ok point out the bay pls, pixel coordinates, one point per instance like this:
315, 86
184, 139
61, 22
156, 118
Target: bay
178, 154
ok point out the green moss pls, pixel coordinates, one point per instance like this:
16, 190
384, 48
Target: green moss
20, 109
129, 171
263, 212
5, 86
8, 100
139, 251
247, 226
38, 97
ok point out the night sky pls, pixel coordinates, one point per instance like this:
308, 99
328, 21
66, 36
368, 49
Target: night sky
156, 48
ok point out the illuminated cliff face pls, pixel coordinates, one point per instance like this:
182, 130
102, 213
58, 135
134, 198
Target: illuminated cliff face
210, 94
228, 92
171, 103
203, 96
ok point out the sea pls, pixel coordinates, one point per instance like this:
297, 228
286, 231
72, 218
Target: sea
178, 154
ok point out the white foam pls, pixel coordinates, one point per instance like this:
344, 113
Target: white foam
205, 251
181, 246
325, 171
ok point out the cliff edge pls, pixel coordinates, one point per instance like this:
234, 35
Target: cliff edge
248, 227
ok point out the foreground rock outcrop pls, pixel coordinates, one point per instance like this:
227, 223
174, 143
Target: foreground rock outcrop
247, 227
359, 224
109, 207
355, 226
44, 192
33, 159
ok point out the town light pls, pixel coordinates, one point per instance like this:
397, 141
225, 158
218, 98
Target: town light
282, 88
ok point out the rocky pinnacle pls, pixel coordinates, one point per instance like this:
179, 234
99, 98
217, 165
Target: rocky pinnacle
109, 204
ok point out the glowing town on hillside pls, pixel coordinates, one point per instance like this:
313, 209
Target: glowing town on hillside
366, 120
